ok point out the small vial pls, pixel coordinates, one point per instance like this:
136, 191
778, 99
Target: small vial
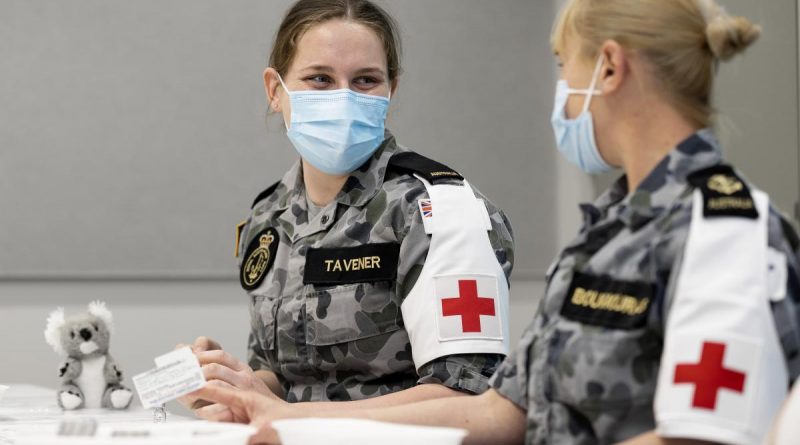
160, 414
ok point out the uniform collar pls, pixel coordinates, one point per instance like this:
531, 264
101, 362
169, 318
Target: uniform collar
659, 190
362, 185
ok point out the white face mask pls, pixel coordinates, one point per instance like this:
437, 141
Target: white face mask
575, 137
336, 131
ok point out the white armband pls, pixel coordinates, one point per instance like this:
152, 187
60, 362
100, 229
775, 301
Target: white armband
459, 304
723, 375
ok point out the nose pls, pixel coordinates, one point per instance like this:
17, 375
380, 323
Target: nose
86, 334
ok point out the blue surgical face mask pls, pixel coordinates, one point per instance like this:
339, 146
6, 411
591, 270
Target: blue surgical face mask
575, 137
336, 131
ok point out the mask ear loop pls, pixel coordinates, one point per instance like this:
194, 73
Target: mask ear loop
283, 84
591, 92
285, 124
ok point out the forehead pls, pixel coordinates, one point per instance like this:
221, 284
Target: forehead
342, 45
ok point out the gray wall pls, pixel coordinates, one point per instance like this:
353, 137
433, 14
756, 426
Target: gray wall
134, 139
758, 100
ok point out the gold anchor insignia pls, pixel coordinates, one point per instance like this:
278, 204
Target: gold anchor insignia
727, 185
257, 262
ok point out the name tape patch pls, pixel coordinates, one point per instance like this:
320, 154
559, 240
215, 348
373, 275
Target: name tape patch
361, 264
602, 301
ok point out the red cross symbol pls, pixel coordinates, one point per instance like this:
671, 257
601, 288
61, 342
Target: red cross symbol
468, 305
708, 376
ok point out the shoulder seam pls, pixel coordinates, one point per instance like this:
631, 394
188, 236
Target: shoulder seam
265, 193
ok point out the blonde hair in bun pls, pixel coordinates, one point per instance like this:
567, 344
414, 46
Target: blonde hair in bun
729, 36
681, 40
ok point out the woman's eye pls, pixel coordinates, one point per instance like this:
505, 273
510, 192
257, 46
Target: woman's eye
319, 81
366, 82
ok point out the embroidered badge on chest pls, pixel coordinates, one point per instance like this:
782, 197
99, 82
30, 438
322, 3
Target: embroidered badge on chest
361, 264
602, 301
258, 259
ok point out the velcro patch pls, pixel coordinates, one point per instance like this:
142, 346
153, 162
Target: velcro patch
259, 258
724, 193
602, 301
362, 264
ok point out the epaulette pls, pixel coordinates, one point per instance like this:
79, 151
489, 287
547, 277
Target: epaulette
724, 193
415, 163
269, 190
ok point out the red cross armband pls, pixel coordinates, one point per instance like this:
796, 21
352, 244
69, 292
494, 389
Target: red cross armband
459, 303
723, 375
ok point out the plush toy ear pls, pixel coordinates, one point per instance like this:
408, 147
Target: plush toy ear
52, 333
99, 310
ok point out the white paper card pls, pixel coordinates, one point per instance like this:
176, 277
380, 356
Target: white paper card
176, 374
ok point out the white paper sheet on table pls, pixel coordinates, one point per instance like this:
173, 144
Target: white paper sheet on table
28, 409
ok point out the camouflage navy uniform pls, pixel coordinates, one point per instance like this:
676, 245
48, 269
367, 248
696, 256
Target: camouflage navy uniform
589, 376
346, 340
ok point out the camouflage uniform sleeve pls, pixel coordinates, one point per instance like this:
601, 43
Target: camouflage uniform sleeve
783, 237
462, 372
256, 358
511, 378
255, 355
502, 238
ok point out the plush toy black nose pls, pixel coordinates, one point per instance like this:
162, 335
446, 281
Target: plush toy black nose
86, 334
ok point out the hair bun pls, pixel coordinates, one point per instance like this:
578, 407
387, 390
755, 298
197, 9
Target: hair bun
728, 36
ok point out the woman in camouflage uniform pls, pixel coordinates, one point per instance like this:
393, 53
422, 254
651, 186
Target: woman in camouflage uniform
338, 257
672, 317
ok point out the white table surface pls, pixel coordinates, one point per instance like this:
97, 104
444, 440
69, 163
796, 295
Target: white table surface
28, 409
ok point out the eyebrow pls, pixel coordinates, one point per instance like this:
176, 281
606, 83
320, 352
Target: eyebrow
329, 69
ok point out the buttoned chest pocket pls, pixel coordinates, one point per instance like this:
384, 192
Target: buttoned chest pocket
600, 370
353, 326
263, 312
606, 355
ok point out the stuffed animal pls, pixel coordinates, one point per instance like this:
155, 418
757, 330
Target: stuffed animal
89, 376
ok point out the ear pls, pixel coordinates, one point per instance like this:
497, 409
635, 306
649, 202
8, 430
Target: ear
615, 67
99, 310
273, 88
52, 333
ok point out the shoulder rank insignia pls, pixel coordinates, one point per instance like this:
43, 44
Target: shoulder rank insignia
724, 193
259, 258
429, 169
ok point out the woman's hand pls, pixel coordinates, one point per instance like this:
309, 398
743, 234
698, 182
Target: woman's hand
221, 369
246, 407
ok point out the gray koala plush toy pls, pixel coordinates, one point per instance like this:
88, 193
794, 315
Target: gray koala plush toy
89, 376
